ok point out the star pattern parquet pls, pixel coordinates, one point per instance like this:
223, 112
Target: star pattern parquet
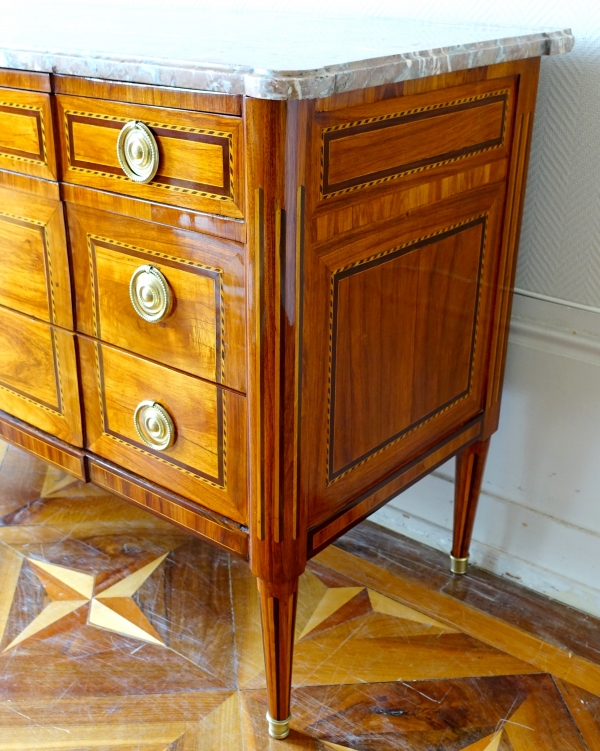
118, 631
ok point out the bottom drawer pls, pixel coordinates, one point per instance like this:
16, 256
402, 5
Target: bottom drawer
183, 433
38, 376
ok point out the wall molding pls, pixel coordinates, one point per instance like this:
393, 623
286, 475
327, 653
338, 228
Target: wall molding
556, 340
556, 300
485, 556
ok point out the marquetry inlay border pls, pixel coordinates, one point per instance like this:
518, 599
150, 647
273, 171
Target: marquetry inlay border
204, 135
355, 127
53, 409
44, 231
27, 110
219, 482
382, 257
182, 263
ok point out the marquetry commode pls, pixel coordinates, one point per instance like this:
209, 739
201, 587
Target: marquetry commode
263, 310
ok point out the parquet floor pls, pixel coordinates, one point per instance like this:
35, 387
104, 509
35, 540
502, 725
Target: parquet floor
119, 632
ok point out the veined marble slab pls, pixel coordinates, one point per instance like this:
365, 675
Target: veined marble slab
265, 55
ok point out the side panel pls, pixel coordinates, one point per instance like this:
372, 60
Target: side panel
406, 258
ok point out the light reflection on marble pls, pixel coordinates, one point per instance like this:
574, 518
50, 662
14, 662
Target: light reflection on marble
119, 631
265, 55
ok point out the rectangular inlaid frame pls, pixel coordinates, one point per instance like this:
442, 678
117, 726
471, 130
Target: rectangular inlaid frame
220, 481
490, 143
364, 265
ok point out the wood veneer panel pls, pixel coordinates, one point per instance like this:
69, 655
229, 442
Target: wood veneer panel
34, 267
389, 377
42, 188
26, 133
200, 156
158, 96
392, 200
161, 502
432, 326
203, 335
230, 229
207, 462
370, 144
25, 79
38, 376
46, 447
359, 508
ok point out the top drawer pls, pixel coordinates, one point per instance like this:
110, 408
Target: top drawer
26, 138
199, 155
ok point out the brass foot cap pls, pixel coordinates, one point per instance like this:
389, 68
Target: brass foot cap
459, 565
279, 729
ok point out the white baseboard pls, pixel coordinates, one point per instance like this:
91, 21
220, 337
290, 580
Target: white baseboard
538, 520
504, 563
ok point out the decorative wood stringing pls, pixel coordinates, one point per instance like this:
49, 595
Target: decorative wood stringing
466, 127
200, 156
460, 136
112, 371
26, 134
205, 464
370, 262
34, 265
367, 503
204, 334
38, 376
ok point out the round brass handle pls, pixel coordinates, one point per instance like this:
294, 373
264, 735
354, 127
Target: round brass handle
154, 425
137, 152
150, 294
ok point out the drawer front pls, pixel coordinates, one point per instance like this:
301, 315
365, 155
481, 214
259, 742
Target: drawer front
38, 376
34, 267
199, 156
203, 332
26, 136
368, 145
207, 460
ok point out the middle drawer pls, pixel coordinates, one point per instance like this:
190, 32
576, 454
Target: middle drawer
170, 295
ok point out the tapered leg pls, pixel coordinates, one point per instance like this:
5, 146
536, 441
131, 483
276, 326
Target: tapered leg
470, 465
278, 613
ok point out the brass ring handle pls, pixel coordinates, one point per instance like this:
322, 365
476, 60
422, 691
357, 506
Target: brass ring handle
137, 152
150, 294
154, 425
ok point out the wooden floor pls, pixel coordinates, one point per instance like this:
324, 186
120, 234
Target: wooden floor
118, 631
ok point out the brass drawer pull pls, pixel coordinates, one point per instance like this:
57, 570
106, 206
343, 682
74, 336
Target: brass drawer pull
154, 425
137, 152
150, 294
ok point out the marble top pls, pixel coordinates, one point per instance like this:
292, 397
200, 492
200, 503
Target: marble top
265, 55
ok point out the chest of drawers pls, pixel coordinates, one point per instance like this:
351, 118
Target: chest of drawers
262, 317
